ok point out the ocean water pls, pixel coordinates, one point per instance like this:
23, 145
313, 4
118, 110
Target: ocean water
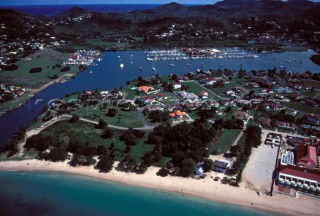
51, 10
38, 193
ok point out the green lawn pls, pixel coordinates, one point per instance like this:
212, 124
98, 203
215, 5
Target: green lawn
123, 118
196, 88
22, 77
15, 103
301, 107
129, 93
227, 86
225, 141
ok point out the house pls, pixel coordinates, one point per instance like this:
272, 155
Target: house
188, 96
231, 93
283, 90
241, 115
256, 100
176, 85
149, 99
192, 105
295, 97
273, 106
306, 156
172, 107
253, 84
287, 126
152, 108
210, 81
265, 122
177, 114
220, 166
242, 102
279, 96
242, 90
309, 102
145, 89
204, 94
210, 103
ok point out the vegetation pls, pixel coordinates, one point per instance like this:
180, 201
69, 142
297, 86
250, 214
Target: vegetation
252, 139
35, 70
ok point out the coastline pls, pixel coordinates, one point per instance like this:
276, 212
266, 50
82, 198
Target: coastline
35, 91
203, 188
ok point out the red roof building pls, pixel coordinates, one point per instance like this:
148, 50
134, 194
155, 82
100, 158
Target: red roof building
309, 160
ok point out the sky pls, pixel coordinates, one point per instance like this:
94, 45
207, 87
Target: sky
78, 2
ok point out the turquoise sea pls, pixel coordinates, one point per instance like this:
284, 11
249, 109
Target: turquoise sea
43, 193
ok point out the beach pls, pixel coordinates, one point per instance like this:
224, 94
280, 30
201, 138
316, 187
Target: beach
205, 188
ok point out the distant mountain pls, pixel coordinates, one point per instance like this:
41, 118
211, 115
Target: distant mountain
72, 12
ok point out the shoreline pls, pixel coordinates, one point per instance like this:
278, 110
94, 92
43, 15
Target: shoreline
35, 91
203, 188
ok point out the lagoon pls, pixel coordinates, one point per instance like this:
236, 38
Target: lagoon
107, 74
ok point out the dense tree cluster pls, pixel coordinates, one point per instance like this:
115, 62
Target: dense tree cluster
129, 165
253, 139
158, 116
187, 144
105, 164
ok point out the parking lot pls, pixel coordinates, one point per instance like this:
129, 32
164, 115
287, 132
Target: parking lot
259, 169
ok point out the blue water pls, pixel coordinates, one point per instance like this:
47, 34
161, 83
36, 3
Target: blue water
51, 10
35, 193
107, 75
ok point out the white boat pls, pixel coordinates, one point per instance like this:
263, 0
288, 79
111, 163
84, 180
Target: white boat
153, 68
121, 65
172, 65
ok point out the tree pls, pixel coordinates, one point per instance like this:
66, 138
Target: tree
57, 154
188, 167
107, 133
105, 164
101, 124
65, 69
208, 165
74, 119
112, 112
35, 70
163, 172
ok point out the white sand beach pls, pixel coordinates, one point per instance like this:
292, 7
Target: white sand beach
204, 188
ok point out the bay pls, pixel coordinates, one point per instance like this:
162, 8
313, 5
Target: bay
43, 193
108, 75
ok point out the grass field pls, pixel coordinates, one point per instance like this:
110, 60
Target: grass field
15, 103
225, 141
44, 59
197, 88
301, 107
227, 86
123, 118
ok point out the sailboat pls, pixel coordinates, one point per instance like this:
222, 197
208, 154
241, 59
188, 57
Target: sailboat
121, 65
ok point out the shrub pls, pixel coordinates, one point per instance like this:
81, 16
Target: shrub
35, 70
107, 133
163, 172
112, 113
65, 69
74, 119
